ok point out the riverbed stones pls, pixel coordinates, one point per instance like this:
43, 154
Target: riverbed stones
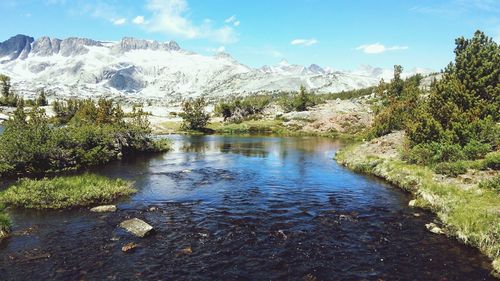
432, 227
104, 209
136, 227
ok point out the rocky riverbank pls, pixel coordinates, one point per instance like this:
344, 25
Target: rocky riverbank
467, 212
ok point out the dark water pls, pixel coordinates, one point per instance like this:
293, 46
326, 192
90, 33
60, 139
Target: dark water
250, 208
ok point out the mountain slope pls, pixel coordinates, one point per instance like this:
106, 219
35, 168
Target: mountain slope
145, 69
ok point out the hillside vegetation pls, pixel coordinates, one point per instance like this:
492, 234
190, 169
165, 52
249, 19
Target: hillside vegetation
443, 144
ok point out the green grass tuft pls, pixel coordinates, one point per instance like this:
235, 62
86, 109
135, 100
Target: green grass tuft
65, 192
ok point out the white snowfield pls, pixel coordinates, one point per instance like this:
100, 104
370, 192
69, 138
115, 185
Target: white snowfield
141, 69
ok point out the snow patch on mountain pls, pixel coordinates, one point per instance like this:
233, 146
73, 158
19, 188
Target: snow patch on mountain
145, 69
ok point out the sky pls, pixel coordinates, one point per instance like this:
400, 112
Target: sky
339, 34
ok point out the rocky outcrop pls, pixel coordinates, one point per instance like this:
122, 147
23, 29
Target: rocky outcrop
45, 46
76, 46
128, 44
16, 47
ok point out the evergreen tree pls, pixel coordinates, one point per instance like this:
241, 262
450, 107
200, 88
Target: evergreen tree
42, 99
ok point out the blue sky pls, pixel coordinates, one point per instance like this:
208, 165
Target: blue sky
339, 34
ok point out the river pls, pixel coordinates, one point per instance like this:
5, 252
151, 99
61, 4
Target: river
242, 208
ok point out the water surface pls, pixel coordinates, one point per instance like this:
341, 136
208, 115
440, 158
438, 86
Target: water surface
249, 208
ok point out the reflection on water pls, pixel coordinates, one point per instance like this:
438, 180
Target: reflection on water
249, 208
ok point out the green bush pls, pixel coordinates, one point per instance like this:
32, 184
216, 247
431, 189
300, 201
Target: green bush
194, 116
434, 152
493, 184
95, 134
492, 160
242, 108
65, 192
451, 168
476, 150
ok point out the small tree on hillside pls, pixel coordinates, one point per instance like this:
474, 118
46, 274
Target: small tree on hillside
194, 115
5, 83
42, 99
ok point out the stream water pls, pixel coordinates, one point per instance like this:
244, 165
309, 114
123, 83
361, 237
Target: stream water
241, 208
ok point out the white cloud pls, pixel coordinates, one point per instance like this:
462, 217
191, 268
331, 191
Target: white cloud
169, 17
230, 19
139, 20
120, 21
304, 42
378, 48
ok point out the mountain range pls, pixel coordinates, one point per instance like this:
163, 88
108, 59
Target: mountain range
149, 69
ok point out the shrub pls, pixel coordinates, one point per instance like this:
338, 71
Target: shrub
194, 115
476, 150
239, 109
65, 192
421, 154
492, 160
300, 101
96, 134
451, 168
493, 184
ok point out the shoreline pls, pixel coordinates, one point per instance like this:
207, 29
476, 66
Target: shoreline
468, 214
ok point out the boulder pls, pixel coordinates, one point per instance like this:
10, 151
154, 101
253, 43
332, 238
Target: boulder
104, 209
412, 203
432, 227
137, 227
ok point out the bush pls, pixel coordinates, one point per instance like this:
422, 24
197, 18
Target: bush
476, 150
432, 153
493, 184
300, 101
96, 134
194, 115
492, 160
451, 168
239, 109
65, 192
421, 154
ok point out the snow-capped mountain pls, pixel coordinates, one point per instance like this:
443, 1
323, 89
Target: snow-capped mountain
143, 68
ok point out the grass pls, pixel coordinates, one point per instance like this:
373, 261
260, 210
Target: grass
256, 126
249, 127
5, 223
64, 192
470, 215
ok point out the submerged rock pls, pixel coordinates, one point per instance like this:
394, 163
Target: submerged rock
187, 251
4, 233
137, 227
103, 209
432, 227
129, 247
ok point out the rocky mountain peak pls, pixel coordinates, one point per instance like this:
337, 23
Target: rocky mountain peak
18, 46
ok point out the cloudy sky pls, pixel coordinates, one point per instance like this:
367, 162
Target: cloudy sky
339, 34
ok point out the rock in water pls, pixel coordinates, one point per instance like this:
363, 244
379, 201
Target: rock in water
103, 209
129, 247
137, 227
187, 251
432, 227
412, 203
